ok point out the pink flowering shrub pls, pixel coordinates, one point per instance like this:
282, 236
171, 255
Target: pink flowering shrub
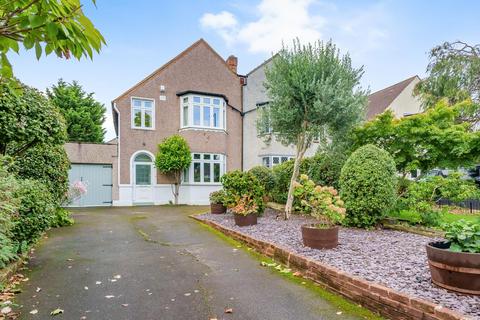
321, 202
76, 190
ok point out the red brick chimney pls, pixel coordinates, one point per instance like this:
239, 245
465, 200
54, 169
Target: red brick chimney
232, 62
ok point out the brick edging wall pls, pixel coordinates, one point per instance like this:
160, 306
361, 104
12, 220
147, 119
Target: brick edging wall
378, 298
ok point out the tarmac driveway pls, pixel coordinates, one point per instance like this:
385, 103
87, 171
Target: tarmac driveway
156, 263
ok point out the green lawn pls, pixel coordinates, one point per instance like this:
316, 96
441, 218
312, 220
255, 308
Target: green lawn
445, 217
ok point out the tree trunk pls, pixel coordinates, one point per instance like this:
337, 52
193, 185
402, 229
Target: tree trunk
176, 186
301, 148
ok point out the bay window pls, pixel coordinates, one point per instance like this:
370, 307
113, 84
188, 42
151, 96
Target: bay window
202, 111
143, 113
205, 168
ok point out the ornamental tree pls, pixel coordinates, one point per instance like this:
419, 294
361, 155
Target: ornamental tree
172, 158
27, 119
432, 139
313, 91
47, 26
454, 75
84, 116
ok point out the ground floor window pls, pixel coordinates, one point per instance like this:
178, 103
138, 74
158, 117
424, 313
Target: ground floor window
205, 168
271, 161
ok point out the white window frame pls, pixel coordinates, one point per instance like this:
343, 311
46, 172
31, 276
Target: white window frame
275, 156
190, 171
142, 108
190, 124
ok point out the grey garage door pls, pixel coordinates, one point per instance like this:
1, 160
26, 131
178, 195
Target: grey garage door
98, 178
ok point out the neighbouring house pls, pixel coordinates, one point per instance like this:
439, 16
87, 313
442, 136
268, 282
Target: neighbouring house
399, 98
260, 147
198, 95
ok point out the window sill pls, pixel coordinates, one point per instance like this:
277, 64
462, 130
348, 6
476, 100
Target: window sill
201, 184
146, 129
203, 129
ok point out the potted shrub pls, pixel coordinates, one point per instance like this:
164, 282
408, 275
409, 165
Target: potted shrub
245, 211
455, 263
325, 205
216, 202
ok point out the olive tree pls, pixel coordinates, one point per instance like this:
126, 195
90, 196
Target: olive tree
313, 91
172, 158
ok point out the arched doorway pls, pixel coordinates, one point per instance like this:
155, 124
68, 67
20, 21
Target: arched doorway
143, 176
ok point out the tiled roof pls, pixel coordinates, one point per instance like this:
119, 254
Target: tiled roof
379, 101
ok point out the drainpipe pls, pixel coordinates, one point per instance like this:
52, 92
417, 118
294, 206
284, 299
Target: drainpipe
114, 107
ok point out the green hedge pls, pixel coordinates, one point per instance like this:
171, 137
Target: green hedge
35, 213
368, 185
265, 177
47, 164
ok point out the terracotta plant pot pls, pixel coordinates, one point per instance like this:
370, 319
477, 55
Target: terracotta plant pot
243, 221
217, 208
317, 238
456, 271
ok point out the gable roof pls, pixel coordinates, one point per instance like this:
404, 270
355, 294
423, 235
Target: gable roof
180, 55
379, 101
262, 64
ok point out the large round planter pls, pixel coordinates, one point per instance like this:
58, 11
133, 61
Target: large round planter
243, 221
456, 271
317, 238
217, 208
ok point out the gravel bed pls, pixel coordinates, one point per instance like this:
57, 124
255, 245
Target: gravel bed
395, 259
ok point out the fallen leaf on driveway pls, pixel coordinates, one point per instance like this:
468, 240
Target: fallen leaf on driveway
297, 274
69, 259
83, 317
124, 304
118, 276
86, 288
6, 310
56, 312
229, 310
187, 294
38, 289
34, 311
213, 319
98, 282
113, 280
109, 297
339, 312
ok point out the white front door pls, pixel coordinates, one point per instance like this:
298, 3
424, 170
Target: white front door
143, 172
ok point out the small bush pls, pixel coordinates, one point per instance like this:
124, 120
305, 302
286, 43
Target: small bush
322, 203
61, 218
464, 236
282, 174
35, 213
265, 177
368, 185
217, 197
238, 184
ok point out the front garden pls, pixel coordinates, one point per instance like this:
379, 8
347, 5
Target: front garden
338, 208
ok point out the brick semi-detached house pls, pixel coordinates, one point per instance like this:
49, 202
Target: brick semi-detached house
197, 95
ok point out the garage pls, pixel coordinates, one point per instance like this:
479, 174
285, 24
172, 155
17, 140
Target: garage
95, 165
98, 179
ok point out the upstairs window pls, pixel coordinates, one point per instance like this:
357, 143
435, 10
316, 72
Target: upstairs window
200, 111
143, 113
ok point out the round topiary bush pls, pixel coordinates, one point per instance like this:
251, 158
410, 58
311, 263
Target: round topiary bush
367, 185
